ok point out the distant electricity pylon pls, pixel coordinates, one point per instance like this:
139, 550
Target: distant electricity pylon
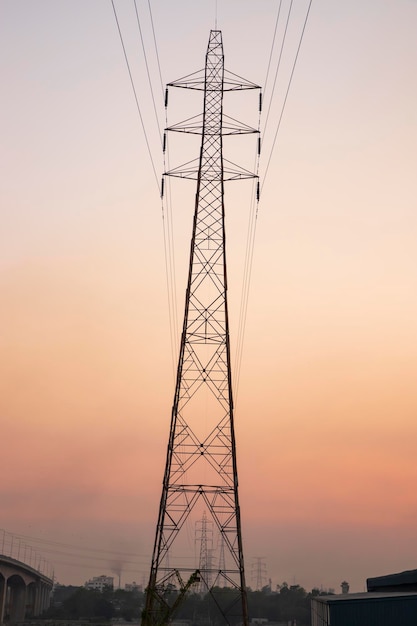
201, 471
259, 578
204, 536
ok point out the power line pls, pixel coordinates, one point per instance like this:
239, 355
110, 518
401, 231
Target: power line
272, 46
94, 558
81, 557
278, 65
169, 245
147, 71
286, 93
96, 567
135, 95
74, 547
167, 223
156, 48
248, 263
254, 214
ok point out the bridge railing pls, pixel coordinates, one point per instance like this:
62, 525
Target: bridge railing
14, 547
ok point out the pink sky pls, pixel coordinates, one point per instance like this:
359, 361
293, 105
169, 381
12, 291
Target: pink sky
327, 399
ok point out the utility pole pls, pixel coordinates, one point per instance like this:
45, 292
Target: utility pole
201, 469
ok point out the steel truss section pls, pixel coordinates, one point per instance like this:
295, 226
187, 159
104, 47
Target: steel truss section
200, 480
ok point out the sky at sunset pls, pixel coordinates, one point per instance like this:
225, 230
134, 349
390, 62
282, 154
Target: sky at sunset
326, 399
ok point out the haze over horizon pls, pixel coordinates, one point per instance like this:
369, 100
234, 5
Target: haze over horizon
326, 399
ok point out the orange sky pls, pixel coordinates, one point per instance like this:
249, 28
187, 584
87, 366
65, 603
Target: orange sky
326, 400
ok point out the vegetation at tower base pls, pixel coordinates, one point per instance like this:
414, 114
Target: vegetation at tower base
210, 608
286, 604
172, 599
289, 604
92, 605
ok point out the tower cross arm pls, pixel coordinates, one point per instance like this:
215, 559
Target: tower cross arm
196, 80
194, 125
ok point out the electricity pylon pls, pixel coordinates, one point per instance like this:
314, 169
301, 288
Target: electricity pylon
201, 471
259, 573
204, 535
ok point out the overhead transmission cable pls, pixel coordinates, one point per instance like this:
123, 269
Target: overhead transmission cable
80, 556
72, 546
86, 552
251, 231
252, 223
251, 235
248, 262
84, 556
272, 48
147, 70
286, 94
169, 252
156, 48
166, 213
278, 64
135, 95
84, 566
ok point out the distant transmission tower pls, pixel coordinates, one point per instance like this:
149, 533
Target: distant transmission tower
259, 573
201, 471
204, 535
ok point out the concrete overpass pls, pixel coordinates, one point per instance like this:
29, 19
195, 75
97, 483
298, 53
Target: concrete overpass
24, 592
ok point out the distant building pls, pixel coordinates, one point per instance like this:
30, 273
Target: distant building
100, 583
60, 593
365, 609
133, 586
345, 587
403, 581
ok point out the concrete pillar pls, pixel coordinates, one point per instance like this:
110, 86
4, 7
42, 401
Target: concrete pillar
3, 589
18, 603
47, 597
43, 598
30, 600
37, 600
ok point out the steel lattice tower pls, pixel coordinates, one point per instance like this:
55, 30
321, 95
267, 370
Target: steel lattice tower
201, 471
204, 534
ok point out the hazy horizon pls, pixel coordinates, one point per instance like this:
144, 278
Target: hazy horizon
326, 398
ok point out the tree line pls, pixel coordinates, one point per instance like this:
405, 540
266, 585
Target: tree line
290, 604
